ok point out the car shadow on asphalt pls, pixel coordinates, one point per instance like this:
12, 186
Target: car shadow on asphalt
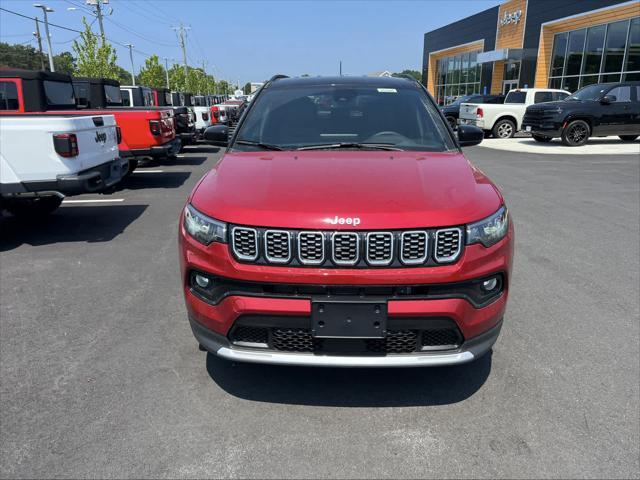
69, 224
350, 387
201, 148
139, 180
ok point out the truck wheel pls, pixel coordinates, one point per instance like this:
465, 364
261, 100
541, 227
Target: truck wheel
133, 164
541, 138
34, 207
451, 121
576, 133
628, 138
504, 128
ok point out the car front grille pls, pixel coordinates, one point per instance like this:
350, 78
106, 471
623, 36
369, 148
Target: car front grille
537, 118
298, 339
357, 249
448, 245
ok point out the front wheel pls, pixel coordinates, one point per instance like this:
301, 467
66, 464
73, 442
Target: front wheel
32, 207
540, 138
628, 138
504, 129
576, 133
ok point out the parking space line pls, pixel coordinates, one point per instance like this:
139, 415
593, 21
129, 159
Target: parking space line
148, 171
96, 200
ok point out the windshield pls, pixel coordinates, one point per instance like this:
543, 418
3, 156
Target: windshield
333, 114
59, 93
113, 96
590, 92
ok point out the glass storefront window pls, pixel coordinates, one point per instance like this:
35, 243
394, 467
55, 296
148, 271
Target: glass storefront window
596, 54
633, 52
574, 52
614, 46
593, 49
559, 50
456, 76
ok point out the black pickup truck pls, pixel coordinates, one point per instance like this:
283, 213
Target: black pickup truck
597, 110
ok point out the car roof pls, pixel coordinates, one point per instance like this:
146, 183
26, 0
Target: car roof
380, 82
33, 74
97, 80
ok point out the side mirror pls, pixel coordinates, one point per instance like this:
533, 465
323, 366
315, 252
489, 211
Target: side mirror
217, 135
608, 99
468, 135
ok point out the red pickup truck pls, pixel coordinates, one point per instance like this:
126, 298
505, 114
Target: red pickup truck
344, 226
144, 132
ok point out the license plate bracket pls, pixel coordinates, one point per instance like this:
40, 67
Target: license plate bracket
348, 319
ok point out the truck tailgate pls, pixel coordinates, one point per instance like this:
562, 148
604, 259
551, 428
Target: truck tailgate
468, 111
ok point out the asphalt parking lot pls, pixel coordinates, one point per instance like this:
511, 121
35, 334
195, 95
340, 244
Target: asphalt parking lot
100, 375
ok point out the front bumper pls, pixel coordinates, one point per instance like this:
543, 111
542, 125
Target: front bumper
214, 324
92, 180
187, 137
468, 351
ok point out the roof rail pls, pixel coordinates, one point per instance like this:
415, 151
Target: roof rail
407, 77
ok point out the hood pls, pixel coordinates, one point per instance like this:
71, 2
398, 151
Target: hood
309, 190
552, 105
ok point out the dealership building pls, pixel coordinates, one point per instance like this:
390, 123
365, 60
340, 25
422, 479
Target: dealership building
534, 43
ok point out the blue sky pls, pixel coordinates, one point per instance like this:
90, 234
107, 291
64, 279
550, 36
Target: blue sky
252, 40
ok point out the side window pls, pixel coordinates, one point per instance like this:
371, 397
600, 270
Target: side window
9, 96
559, 96
541, 97
637, 94
622, 94
126, 98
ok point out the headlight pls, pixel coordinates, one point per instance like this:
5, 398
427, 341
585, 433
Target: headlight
203, 228
490, 230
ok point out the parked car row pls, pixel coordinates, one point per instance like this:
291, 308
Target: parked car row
597, 110
63, 136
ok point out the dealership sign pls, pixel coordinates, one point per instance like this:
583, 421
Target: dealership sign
513, 17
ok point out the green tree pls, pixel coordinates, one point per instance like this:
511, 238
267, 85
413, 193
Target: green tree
177, 80
94, 59
247, 88
27, 57
412, 73
152, 74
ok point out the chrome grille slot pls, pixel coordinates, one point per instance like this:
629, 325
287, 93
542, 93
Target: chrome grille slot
311, 248
379, 248
245, 243
414, 247
448, 245
277, 246
345, 248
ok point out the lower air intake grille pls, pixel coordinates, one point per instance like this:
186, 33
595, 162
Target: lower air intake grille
292, 339
397, 341
246, 334
441, 337
448, 245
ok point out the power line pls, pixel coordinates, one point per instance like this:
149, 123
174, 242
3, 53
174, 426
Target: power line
127, 29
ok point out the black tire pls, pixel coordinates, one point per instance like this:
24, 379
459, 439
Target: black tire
540, 138
576, 133
487, 133
32, 207
504, 128
628, 138
133, 164
452, 122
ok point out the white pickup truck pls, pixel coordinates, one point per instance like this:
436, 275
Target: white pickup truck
202, 108
503, 120
44, 158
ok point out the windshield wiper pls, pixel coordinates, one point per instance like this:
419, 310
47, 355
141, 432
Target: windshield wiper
331, 146
264, 146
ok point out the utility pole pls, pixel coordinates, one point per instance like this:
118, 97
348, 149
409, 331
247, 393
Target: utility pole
46, 10
340, 67
166, 70
37, 35
133, 74
181, 30
97, 4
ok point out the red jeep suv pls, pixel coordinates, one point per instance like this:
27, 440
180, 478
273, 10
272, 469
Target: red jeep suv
344, 227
